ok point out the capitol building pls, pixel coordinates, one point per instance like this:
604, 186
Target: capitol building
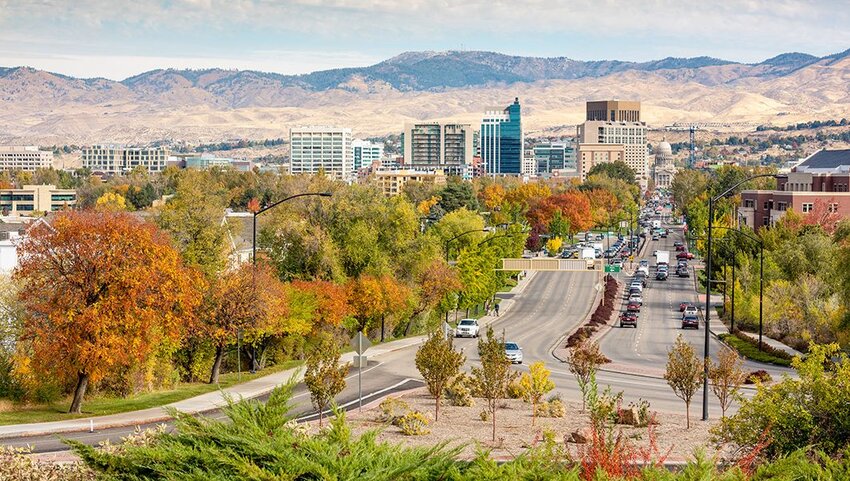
663, 170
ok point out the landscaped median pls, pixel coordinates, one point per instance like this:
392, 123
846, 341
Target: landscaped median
748, 347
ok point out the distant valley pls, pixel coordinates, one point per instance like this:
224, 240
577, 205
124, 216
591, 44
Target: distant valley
213, 105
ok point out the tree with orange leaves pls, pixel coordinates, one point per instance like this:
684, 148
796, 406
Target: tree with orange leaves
435, 284
824, 214
574, 207
604, 206
373, 299
250, 299
102, 291
331, 306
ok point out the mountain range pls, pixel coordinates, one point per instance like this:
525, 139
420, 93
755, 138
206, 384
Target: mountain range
215, 104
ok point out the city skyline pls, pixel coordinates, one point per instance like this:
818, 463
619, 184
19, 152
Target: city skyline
88, 38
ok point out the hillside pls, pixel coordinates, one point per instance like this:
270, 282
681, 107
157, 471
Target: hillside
215, 104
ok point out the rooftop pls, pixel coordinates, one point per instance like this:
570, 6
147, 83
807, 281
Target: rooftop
826, 160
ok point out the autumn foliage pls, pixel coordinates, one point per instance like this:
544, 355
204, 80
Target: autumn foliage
102, 291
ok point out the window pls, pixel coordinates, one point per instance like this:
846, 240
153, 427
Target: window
807, 207
749, 203
833, 207
782, 206
765, 221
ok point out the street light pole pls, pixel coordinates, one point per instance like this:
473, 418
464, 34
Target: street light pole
254, 363
711, 201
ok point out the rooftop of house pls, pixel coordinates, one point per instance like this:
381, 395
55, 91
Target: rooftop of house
825, 160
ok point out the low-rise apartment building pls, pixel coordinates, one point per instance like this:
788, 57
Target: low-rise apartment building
822, 179
36, 198
391, 182
24, 157
112, 160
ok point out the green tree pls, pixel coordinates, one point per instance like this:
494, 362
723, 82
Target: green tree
456, 223
438, 363
684, 373
457, 194
325, 377
614, 170
535, 384
491, 380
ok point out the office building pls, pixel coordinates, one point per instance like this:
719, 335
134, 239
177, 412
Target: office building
818, 185
589, 155
112, 160
208, 161
365, 153
502, 140
613, 111
430, 146
29, 157
629, 133
552, 156
391, 182
321, 149
36, 198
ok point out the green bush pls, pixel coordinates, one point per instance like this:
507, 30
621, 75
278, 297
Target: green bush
393, 409
750, 351
414, 423
796, 413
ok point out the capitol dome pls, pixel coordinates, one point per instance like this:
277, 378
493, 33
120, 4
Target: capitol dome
663, 153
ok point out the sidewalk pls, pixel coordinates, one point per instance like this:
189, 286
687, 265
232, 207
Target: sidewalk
216, 399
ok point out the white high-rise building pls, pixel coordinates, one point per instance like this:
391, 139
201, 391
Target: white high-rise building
321, 149
618, 122
29, 157
365, 153
110, 159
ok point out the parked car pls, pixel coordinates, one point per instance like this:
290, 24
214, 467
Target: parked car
690, 321
629, 318
467, 328
513, 352
690, 310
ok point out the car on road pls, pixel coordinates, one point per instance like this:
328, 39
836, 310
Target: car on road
467, 328
655, 237
683, 271
629, 318
644, 263
680, 248
690, 310
617, 262
684, 304
678, 244
633, 307
690, 321
636, 298
661, 275
513, 352
664, 233
684, 255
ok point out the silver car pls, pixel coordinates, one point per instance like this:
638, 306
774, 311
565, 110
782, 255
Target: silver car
513, 352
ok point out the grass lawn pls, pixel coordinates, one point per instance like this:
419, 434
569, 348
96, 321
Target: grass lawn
102, 405
751, 352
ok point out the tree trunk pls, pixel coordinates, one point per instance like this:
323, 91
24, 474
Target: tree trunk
494, 421
533, 412
79, 392
321, 409
382, 328
437, 409
688, 415
219, 354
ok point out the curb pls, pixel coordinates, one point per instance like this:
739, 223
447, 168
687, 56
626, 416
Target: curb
553, 350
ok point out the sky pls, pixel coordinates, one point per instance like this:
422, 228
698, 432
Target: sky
116, 39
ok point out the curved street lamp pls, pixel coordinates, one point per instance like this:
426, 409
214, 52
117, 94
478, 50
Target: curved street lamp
708, 267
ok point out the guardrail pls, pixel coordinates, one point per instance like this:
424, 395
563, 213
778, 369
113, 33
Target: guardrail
553, 264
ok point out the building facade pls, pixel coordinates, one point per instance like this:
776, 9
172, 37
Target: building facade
112, 160
502, 140
209, 161
24, 157
589, 155
430, 146
321, 149
613, 111
818, 185
36, 198
663, 169
365, 153
391, 182
552, 156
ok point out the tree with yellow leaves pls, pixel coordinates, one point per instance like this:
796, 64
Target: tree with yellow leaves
111, 202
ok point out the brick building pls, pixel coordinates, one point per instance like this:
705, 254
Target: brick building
824, 176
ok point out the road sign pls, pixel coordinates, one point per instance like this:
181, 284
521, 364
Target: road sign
360, 343
612, 268
360, 361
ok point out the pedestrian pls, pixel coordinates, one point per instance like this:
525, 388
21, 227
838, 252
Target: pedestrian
496, 307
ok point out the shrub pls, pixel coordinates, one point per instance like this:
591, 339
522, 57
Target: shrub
748, 348
761, 376
413, 424
15, 463
484, 415
514, 390
553, 409
459, 393
393, 409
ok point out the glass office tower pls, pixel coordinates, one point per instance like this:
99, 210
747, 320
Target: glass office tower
502, 140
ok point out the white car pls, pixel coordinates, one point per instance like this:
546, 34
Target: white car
636, 298
467, 328
689, 311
